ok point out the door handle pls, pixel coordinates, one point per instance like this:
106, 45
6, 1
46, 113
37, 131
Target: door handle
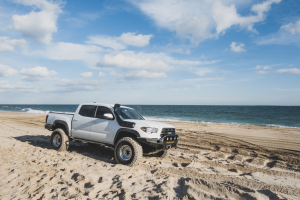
75, 119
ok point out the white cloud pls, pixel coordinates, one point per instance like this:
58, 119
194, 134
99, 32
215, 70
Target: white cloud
6, 71
36, 73
38, 25
201, 71
293, 28
68, 85
69, 51
198, 20
135, 40
143, 75
177, 50
101, 74
69, 82
287, 34
106, 41
7, 45
202, 79
131, 60
292, 71
150, 62
6, 86
237, 48
262, 72
86, 74
121, 42
263, 67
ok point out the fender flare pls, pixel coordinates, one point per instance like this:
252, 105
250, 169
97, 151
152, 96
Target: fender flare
125, 130
63, 123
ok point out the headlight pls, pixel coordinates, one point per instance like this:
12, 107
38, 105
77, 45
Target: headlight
149, 129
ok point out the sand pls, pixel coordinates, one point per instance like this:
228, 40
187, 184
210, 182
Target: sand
212, 161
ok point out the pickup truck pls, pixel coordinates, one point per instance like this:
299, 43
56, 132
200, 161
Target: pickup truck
117, 126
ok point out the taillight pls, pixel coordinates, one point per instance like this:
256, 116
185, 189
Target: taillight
46, 119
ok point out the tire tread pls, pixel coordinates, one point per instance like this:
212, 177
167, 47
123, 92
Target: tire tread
137, 149
64, 140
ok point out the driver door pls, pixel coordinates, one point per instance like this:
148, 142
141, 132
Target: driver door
102, 130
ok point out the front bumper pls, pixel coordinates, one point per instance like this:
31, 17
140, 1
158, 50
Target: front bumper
165, 142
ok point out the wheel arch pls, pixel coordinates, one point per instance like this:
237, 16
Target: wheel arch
125, 132
61, 124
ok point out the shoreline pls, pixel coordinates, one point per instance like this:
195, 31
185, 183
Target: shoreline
170, 121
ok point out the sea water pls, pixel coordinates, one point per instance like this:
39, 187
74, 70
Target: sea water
281, 116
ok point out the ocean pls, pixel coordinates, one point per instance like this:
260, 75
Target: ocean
278, 116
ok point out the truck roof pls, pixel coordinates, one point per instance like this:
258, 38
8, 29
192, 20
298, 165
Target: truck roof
102, 104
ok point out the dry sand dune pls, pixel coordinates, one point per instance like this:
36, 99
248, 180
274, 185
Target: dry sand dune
211, 162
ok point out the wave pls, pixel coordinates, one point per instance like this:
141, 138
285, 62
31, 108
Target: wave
165, 119
204, 122
281, 126
29, 110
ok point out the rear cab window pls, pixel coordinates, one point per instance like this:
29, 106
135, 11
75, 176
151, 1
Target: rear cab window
87, 110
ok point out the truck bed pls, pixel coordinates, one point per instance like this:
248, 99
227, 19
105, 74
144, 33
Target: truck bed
56, 116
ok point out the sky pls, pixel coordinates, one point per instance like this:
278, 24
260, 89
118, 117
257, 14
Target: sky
170, 52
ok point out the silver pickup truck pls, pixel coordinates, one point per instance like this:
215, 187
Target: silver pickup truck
117, 126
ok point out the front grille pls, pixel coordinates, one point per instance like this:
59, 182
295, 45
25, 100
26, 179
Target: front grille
166, 131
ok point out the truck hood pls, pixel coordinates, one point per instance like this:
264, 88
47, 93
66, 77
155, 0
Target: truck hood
150, 123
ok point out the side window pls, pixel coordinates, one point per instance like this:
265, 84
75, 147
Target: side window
101, 111
87, 111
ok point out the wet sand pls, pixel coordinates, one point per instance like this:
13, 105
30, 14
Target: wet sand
212, 161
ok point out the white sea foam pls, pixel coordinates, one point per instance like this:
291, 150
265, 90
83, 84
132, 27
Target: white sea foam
164, 119
281, 126
29, 110
230, 123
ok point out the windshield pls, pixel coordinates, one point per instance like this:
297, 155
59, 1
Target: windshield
127, 113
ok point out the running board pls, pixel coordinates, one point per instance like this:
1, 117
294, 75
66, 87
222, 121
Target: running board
90, 141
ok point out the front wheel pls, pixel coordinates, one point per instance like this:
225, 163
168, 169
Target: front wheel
128, 152
59, 140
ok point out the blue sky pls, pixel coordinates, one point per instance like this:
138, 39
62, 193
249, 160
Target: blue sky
222, 52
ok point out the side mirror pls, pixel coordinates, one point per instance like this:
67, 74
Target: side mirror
108, 116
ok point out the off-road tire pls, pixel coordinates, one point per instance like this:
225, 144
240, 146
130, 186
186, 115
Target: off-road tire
162, 154
63, 140
136, 148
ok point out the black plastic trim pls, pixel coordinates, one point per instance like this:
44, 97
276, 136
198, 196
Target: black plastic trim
162, 143
63, 123
126, 130
91, 141
48, 126
120, 121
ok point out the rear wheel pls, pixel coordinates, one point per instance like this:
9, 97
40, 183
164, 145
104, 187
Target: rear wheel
59, 140
128, 152
162, 154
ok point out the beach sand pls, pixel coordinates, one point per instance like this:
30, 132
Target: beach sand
212, 161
